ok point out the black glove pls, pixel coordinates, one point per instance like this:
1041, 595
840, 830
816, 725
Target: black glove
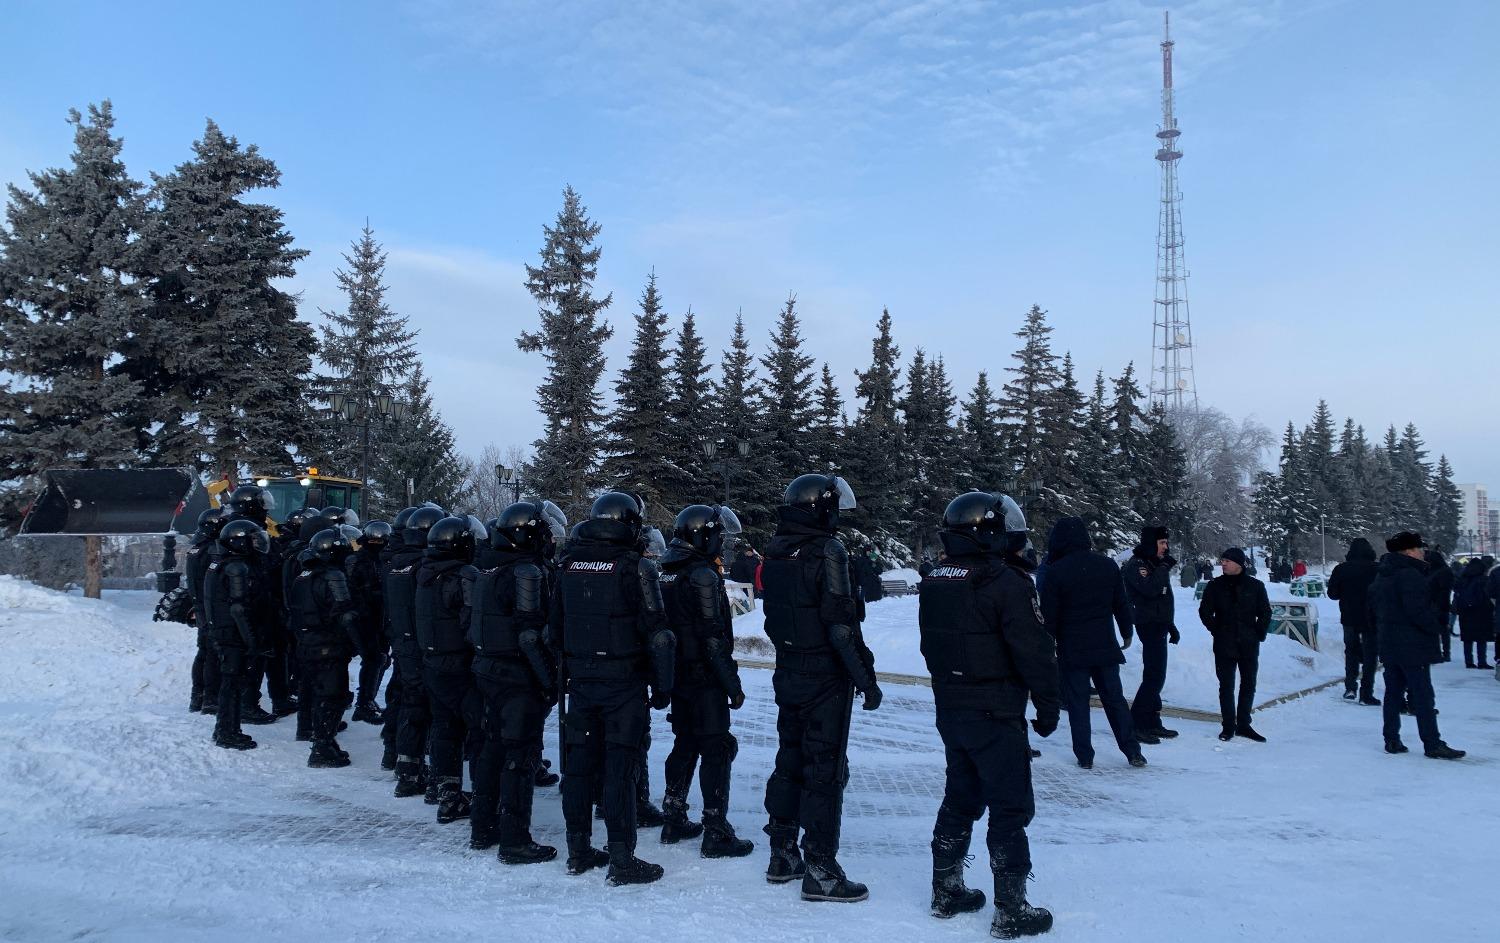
1173, 635
661, 700
1044, 727
1127, 636
549, 697
873, 697
736, 700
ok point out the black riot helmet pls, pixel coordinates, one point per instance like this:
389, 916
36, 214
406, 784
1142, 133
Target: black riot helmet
527, 525
332, 516
332, 544
244, 537
312, 522
376, 534
822, 496
993, 522
399, 522
452, 537
706, 528
252, 502
618, 506
419, 523
294, 521
211, 521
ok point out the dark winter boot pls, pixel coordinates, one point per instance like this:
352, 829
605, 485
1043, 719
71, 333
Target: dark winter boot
285, 708
950, 896
1136, 760
430, 794
648, 815
1441, 751
676, 826
1227, 733
1396, 746
1350, 695
483, 829
1162, 733
1014, 917
327, 755
195, 701
719, 839
388, 758
583, 856
367, 712
210, 706
1248, 732
453, 802
626, 868
544, 775
255, 714
1148, 737
411, 779
516, 845
786, 858
231, 740
1369, 700
825, 880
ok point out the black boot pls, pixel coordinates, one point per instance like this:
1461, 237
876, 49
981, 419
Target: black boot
1162, 733
195, 701
231, 740
1349, 694
1248, 732
1396, 746
648, 815
255, 714
719, 839
1441, 751
544, 775
327, 755
1369, 700
626, 868
483, 832
1148, 737
676, 826
367, 711
388, 758
1136, 759
284, 708
786, 858
950, 896
411, 779
430, 794
210, 706
825, 880
453, 802
1227, 733
583, 856
516, 845
1014, 917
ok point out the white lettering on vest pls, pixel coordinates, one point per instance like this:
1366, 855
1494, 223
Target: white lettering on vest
591, 566
950, 573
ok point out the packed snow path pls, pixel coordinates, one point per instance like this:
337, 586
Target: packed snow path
122, 821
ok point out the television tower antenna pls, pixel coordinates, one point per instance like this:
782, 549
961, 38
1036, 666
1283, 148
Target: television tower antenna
1172, 381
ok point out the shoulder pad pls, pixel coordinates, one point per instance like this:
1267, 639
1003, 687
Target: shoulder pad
648, 568
526, 571
338, 585
468, 572
834, 549
703, 576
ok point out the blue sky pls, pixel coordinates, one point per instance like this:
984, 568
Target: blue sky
953, 161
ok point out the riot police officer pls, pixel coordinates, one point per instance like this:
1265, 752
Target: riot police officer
517, 680
608, 620
235, 598
986, 646
391, 722
323, 618
298, 531
363, 567
205, 692
400, 608
442, 603
812, 617
707, 683
254, 504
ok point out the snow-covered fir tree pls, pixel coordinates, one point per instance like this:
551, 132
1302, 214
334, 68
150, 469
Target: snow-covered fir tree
638, 427
827, 431
918, 421
1447, 502
68, 312
229, 352
736, 417
686, 476
571, 338
1127, 430
786, 400
421, 453
875, 444
939, 459
983, 463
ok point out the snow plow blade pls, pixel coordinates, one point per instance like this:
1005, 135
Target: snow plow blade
114, 502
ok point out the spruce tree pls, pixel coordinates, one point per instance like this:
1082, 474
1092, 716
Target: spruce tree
367, 351
67, 314
983, 463
1025, 401
1127, 425
227, 352
1164, 496
1062, 418
1101, 494
876, 443
1415, 481
737, 395
687, 477
919, 422
571, 338
939, 463
638, 428
1447, 502
422, 453
827, 431
786, 401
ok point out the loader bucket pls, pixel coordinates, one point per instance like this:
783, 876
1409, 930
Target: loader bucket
113, 501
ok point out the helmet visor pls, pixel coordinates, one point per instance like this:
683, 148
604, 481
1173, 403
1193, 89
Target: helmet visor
656, 544
729, 522
1015, 519
846, 495
555, 514
477, 528
352, 534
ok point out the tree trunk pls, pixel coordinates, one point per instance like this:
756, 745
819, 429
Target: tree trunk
93, 566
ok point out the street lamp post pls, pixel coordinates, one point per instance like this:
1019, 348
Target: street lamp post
711, 449
363, 407
509, 477
1323, 539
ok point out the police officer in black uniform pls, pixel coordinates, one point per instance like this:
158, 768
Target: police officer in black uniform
608, 621
391, 718
323, 616
363, 568
986, 646
400, 608
812, 617
235, 595
205, 694
517, 679
443, 600
254, 504
707, 682
297, 531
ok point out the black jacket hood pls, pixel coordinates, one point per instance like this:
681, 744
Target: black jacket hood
1069, 535
1360, 549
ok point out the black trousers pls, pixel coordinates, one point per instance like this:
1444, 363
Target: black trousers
373, 662
1145, 710
206, 668
1411, 683
1236, 711
1075, 690
1445, 635
392, 706
806, 788
515, 713
415, 714
457, 713
1474, 652
700, 729
989, 768
325, 683
1361, 650
604, 725
233, 669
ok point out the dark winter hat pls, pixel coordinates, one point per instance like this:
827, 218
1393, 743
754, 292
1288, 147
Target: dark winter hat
1406, 540
1151, 533
1235, 555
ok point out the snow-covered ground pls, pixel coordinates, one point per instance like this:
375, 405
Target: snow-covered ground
119, 820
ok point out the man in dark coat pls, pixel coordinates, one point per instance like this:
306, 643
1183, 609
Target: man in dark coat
1476, 613
1148, 587
1440, 582
1492, 589
1350, 585
1236, 610
746, 561
1408, 622
1083, 599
